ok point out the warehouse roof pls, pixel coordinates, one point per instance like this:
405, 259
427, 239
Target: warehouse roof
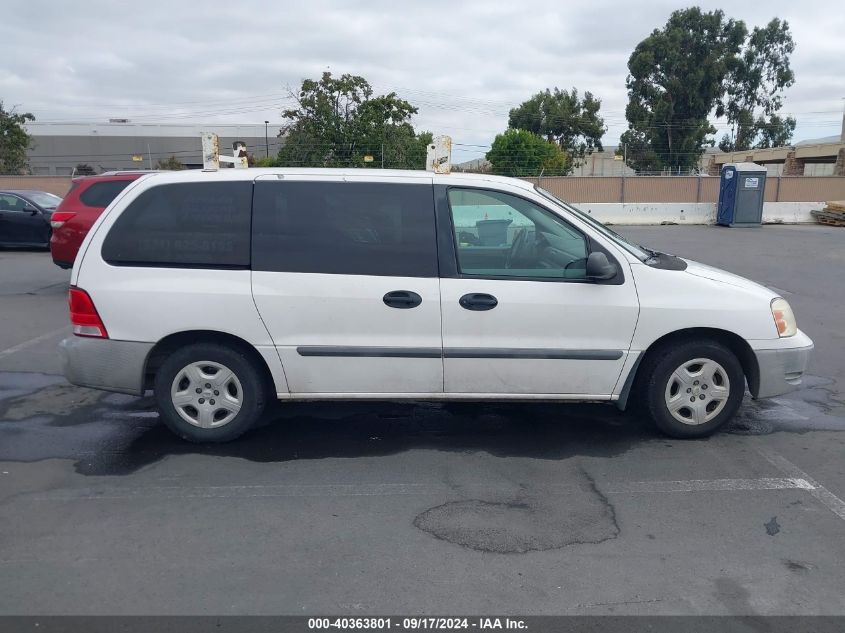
131, 128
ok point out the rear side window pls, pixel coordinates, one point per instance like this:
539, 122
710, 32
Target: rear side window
101, 194
344, 228
204, 225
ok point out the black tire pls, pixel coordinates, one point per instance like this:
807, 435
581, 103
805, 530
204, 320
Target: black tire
658, 369
252, 396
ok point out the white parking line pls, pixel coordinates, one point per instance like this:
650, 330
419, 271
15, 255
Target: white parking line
391, 489
20, 346
705, 485
833, 503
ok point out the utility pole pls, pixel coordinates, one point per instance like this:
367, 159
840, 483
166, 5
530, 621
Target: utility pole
149, 156
624, 165
266, 141
842, 134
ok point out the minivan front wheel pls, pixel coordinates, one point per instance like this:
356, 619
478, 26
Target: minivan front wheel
693, 388
209, 393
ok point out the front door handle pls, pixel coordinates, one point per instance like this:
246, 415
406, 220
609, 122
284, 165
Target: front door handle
478, 301
402, 299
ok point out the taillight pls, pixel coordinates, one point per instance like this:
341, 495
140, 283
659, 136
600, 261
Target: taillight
60, 217
83, 315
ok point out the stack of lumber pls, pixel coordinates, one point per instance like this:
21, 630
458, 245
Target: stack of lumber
832, 215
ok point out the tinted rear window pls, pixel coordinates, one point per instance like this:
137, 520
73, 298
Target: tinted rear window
101, 194
344, 228
188, 224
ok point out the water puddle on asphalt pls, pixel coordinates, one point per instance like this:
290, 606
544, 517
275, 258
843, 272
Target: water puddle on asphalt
43, 417
812, 408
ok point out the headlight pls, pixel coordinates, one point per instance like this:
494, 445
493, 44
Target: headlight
784, 319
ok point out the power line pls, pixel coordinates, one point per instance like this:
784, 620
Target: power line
245, 104
311, 148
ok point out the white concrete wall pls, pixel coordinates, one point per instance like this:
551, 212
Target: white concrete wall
692, 212
790, 212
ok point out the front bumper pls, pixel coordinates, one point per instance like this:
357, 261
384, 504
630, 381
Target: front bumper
105, 364
781, 369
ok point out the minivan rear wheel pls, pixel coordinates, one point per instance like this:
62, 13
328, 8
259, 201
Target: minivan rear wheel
209, 393
692, 388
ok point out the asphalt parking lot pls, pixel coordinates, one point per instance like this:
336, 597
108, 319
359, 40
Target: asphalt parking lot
362, 508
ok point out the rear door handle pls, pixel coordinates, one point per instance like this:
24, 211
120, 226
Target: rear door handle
402, 299
478, 301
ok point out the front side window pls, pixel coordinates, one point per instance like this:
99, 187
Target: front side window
500, 235
11, 203
344, 228
638, 251
202, 225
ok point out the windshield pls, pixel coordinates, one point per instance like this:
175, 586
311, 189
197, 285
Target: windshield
636, 250
44, 199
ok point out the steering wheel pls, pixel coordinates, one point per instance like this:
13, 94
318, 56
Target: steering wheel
520, 248
517, 245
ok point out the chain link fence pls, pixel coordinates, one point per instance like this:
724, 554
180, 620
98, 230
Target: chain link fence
686, 188
657, 189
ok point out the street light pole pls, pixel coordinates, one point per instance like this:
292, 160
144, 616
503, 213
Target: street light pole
266, 142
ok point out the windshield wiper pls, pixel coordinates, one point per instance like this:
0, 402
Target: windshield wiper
653, 255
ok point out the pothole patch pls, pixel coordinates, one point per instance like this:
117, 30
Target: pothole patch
529, 524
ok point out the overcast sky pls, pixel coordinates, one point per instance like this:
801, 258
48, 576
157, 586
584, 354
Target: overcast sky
463, 64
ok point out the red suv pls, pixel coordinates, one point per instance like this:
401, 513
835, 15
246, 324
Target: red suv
83, 204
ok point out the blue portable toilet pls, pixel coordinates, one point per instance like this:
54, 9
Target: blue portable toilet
742, 188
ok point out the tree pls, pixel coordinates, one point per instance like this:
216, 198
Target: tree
338, 121
677, 76
759, 77
562, 117
262, 161
523, 153
14, 141
84, 169
776, 132
405, 150
170, 164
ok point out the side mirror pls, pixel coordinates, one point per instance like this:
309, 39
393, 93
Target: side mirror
32, 210
599, 267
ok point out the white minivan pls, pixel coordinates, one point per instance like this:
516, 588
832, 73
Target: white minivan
220, 290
